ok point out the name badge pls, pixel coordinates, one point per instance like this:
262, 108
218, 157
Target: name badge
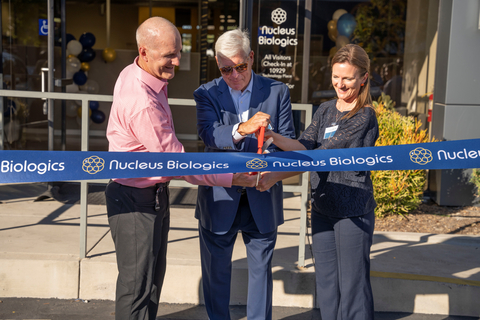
330, 131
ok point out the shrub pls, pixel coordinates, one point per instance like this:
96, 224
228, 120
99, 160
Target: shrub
397, 191
475, 179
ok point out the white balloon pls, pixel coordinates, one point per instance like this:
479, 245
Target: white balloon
71, 109
74, 47
91, 86
337, 14
342, 41
72, 88
73, 64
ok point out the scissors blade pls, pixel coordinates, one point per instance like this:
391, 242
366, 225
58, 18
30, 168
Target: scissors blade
267, 144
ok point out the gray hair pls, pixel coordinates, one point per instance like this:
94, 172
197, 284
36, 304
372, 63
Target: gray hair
233, 43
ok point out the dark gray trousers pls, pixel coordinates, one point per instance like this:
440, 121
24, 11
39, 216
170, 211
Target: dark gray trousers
140, 234
341, 247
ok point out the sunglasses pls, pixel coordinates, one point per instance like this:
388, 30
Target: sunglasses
241, 67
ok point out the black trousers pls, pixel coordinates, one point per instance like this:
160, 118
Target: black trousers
341, 247
139, 220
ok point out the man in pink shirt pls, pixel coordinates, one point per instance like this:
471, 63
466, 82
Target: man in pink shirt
138, 209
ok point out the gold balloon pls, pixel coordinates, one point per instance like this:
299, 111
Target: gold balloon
332, 25
79, 112
332, 52
85, 66
109, 54
333, 35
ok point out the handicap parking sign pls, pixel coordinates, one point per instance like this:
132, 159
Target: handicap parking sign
43, 27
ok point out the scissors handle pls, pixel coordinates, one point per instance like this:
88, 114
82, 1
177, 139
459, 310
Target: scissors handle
261, 136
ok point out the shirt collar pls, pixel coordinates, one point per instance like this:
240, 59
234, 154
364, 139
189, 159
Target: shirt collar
154, 83
247, 89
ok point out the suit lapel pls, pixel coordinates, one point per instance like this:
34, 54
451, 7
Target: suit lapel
226, 101
257, 98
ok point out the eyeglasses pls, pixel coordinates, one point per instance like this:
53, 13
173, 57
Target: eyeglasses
241, 67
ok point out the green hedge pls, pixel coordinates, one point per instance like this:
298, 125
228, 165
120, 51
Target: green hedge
397, 191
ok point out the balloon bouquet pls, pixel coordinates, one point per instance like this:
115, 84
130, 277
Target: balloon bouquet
340, 29
79, 55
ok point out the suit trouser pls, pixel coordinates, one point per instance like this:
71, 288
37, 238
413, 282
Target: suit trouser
341, 247
140, 234
216, 255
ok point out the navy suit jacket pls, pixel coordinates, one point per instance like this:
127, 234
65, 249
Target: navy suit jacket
216, 115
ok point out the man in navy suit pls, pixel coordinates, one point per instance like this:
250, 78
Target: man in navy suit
230, 110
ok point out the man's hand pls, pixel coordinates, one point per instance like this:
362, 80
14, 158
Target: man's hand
267, 181
244, 180
260, 119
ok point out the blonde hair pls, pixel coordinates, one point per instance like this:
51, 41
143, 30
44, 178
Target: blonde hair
357, 57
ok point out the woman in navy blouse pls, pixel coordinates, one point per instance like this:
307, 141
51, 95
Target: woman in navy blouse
343, 217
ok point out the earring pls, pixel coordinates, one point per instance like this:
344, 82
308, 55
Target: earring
362, 84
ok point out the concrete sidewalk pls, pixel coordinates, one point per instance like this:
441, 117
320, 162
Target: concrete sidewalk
39, 258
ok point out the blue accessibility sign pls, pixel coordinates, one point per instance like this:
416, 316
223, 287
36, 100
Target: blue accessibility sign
43, 27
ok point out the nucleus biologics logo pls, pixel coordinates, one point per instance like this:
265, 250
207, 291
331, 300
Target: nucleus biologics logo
93, 164
256, 164
267, 34
421, 156
279, 16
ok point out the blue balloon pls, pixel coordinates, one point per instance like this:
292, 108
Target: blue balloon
346, 25
87, 55
87, 40
93, 105
69, 37
97, 116
79, 78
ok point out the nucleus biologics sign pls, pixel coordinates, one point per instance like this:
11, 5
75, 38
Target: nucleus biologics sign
270, 36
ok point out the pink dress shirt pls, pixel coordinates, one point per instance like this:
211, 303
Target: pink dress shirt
141, 121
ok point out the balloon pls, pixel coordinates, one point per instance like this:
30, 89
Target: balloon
85, 66
87, 55
79, 78
332, 51
74, 47
91, 86
72, 88
332, 25
71, 55
87, 40
73, 64
71, 109
346, 25
69, 37
333, 35
342, 41
94, 105
109, 54
337, 14
97, 116
79, 112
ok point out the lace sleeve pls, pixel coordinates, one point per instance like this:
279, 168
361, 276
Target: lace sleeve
309, 137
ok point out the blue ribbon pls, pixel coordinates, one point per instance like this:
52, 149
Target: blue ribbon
44, 166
